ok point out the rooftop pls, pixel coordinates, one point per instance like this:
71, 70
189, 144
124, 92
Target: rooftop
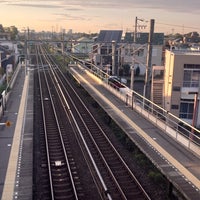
185, 52
109, 36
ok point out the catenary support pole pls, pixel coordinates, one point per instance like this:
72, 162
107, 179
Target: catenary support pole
149, 61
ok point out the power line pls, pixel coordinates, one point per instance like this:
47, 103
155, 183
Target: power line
176, 25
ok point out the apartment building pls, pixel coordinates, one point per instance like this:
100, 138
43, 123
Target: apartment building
182, 85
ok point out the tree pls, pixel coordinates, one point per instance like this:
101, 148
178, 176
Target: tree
13, 31
1, 29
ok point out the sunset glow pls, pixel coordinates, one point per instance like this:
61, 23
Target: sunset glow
92, 16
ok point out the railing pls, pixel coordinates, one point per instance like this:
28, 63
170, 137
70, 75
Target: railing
5, 94
191, 84
176, 128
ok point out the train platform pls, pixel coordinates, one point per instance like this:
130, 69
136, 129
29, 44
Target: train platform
177, 163
16, 140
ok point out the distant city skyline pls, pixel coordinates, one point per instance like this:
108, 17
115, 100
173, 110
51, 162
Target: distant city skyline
89, 16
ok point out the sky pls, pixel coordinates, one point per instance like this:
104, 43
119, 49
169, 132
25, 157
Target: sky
91, 16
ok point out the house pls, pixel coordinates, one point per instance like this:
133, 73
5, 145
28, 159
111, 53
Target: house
111, 52
137, 52
192, 37
142, 38
105, 50
83, 45
182, 85
8, 54
5, 36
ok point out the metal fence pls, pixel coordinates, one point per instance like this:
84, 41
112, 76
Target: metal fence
6, 93
176, 128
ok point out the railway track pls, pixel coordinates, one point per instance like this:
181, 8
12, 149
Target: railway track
63, 183
64, 114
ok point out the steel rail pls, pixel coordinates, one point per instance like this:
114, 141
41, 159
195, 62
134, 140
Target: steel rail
60, 134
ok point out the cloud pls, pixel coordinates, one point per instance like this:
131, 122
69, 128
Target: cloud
37, 5
84, 10
72, 17
34, 4
169, 5
178, 5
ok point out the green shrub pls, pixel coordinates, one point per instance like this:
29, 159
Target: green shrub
156, 177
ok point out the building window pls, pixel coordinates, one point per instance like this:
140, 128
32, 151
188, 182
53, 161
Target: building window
191, 75
186, 110
175, 107
176, 89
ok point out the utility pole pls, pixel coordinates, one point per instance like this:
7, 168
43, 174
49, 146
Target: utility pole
149, 61
26, 51
136, 27
0, 58
135, 33
132, 75
28, 33
114, 68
